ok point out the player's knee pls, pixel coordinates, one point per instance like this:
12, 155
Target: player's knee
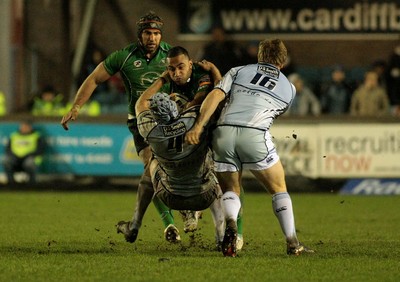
273, 189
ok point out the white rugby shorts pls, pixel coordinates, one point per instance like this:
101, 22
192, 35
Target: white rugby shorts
238, 148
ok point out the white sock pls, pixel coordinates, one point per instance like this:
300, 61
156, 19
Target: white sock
219, 220
283, 209
230, 203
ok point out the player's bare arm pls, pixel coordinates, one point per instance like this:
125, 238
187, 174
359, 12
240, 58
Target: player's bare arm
142, 103
214, 71
99, 75
207, 109
215, 78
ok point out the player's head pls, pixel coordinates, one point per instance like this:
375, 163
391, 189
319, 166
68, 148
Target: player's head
25, 127
179, 65
273, 52
149, 31
371, 79
163, 109
297, 81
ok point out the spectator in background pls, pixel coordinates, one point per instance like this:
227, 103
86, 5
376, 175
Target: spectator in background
51, 103
305, 102
393, 80
222, 52
48, 103
117, 89
24, 152
370, 98
249, 53
95, 57
109, 93
336, 95
380, 66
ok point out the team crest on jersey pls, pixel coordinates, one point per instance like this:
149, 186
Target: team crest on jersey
137, 63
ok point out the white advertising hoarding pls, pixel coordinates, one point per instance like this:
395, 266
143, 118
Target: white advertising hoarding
339, 150
297, 146
360, 150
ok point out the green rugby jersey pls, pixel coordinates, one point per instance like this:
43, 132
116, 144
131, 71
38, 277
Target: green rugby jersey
137, 72
200, 81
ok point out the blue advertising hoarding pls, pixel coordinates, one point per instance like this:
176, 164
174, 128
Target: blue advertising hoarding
371, 186
85, 149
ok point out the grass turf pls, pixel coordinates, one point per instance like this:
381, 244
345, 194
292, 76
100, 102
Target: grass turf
65, 236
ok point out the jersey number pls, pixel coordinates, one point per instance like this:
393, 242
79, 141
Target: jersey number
176, 144
263, 81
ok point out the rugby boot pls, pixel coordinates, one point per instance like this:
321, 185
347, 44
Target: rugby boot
171, 234
190, 220
298, 250
130, 233
230, 238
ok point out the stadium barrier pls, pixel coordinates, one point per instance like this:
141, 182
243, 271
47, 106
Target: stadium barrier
314, 148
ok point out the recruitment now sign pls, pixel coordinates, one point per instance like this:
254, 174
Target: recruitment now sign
247, 19
339, 150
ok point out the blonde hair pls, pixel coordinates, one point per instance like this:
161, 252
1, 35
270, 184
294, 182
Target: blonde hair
272, 52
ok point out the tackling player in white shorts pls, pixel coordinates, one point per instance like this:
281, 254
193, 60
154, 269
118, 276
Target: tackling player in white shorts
255, 95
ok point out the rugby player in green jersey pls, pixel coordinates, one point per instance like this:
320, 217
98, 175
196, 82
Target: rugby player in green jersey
139, 64
188, 84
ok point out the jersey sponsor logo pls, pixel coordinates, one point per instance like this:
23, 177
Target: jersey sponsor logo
137, 63
270, 71
149, 77
174, 129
